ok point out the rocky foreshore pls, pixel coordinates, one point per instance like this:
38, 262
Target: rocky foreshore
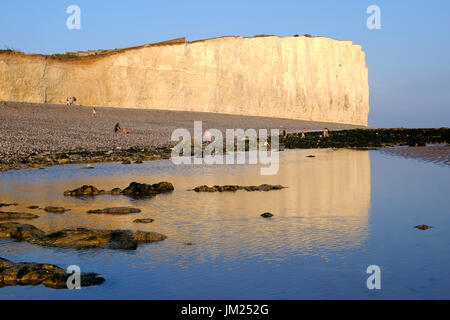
28, 273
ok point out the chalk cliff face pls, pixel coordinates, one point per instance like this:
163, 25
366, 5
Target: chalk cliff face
318, 79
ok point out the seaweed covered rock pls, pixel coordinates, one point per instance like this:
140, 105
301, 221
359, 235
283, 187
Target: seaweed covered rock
423, 227
16, 215
19, 232
26, 273
84, 191
55, 209
143, 189
233, 188
81, 238
115, 210
145, 220
267, 215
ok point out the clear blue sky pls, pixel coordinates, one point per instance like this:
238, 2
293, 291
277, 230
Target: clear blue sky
408, 58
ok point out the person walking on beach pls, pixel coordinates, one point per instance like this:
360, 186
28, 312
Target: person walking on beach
94, 113
303, 133
326, 134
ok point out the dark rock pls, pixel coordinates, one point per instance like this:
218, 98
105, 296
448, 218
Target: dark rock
25, 273
16, 215
19, 232
55, 209
8, 204
267, 215
83, 191
115, 210
233, 188
115, 191
81, 238
33, 207
143, 189
126, 161
146, 220
310, 156
423, 227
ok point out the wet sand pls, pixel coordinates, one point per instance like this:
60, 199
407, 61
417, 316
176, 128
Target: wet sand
31, 127
439, 154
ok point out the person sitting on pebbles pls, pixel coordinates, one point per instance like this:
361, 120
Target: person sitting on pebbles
118, 129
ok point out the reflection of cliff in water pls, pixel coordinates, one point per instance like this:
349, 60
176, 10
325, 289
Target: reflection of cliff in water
325, 207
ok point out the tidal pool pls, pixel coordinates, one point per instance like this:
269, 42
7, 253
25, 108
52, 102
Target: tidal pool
343, 211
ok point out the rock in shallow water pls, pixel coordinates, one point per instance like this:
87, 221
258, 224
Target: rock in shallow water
267, 215
16, 215
232, 188
81, 238
19, 232
146, 220
115, 210
55, 209
134, 189
8, 204
423, 227
83, 191
143, 189
26, 273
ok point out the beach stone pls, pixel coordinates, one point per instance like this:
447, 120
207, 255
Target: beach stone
310, 156
115, 210
423, 227
55, 209
83, 191
267, 215
127, 161
19, 232
33, 207
205, 188
145, 220
16, 215
81, 238
143, 189
26, 273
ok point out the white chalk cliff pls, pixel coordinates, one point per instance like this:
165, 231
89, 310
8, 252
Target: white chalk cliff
307, 78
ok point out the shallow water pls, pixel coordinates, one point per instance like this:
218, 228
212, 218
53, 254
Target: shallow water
342, 211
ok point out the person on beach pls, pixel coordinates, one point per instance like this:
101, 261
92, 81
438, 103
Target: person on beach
94, 113
284, 134
326, 134
303, 133
118, 129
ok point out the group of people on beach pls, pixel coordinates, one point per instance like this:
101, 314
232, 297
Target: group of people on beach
71, 100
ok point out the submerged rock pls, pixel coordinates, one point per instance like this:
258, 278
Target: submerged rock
232, 188
423, 227
145, 220
8, 204
16, 215
83, 191
26, 273
267, 215
115, 210
55, 209
19, 232
143, 189
81, 238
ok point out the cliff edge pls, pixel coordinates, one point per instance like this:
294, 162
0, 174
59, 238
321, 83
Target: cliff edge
305, 78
